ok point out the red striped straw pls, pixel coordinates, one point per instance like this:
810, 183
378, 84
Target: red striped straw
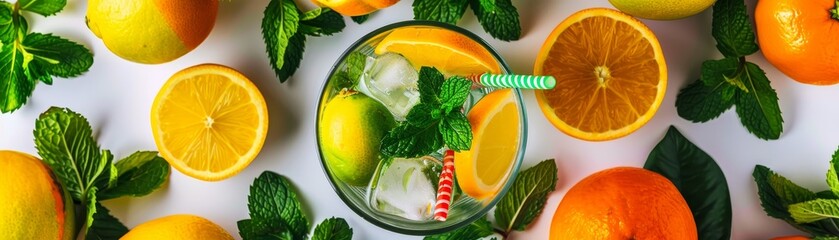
444, 188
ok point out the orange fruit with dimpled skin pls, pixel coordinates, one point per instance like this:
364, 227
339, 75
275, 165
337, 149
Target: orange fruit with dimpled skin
799, 38
623, 203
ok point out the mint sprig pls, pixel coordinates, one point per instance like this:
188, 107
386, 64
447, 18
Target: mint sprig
284, 30
436, 121
498, 17
733, 81
64, 140
277, 213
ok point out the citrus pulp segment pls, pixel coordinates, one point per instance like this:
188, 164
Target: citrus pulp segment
209, 121
610, 72
450, 52
482, 170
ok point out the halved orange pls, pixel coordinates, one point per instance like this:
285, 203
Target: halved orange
482, 170
355, 7
610, 72
450, 52
209, 121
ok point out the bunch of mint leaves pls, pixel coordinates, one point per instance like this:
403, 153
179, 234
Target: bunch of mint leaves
816, 213
437, 120
28, 57
64, 140
284, 30
733, 80
277, 213
498, 17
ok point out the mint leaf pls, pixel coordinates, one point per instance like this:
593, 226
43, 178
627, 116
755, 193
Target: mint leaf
732, 29
341, 80
356, 62
360, 19
476, 230
43, 7
250, 230
105, 226
65, 142
333, 229
527, 197
777, 193
429, 84
90, 204
56, 56
14, 84
408, 141
282, 41
815, 210
699, 179
700, 103
498, 17
273, 204
758, 109
327, 22
312, 14
456, 131
139, 174
832, 178
447, 11
420, 116
715, 72
825, 238
7, 25
454, 92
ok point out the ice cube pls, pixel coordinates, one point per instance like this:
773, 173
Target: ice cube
392, 80
407, 188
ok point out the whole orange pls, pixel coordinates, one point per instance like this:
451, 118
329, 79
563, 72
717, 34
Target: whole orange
623, 203
791, 238
800, 38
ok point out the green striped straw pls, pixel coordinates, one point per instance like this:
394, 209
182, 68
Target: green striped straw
514, 81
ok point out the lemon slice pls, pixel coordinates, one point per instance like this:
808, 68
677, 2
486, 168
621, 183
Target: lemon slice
209, 121
450, 52
482, 171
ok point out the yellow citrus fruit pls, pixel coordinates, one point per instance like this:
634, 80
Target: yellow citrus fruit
450, 52
209, 121
610, 73
483, 170
355, 7
34, 206
178, 227
662, 9
623, 203
151, 31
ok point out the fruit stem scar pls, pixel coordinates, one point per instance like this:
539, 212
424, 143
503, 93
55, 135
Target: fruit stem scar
603, 74
208, 122
834, 13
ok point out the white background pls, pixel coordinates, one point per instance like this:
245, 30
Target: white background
116, 96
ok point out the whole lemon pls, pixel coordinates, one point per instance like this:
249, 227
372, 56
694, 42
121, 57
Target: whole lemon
34, 206
662, 9
151, 31
178, 227
351, 132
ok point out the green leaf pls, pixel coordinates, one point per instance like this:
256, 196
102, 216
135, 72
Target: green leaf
776, 193
825, 238
65, 142
420, 116
456, 131
498, 17
356, 62
282, 41
478, 229
447, 11
90, 204
700, 103
273, 203
15, 87
7, 26
105, 226
140, 174
313, 14
826, 194
715, 72
700, 181
56, 56
341, 80
408, 141
732, 29
250, 230
43, 7
758, 109
327, 22
527, 197
454, 92
360, 19
815, 210
429, 83
333, 229
832, 178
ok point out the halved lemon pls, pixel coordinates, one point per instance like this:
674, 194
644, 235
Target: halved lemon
482, 170
450, 52
209, 121
610, 72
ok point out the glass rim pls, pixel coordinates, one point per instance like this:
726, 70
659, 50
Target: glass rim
522, 128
